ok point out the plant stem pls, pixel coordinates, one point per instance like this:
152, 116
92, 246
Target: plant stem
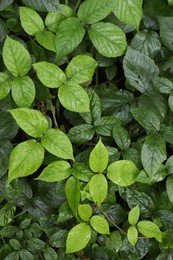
53, 114
77, 5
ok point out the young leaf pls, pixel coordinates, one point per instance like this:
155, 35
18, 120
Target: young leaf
163, 85
23, 91
132, 235
25, 159
81, 68
166, 26
129, 12
98, 188
46, 39
169, 188
5, 85
33, 122
73, 97
78, 238
72, 191
85, 211
149, 229
123, 172
98, 159
108, 39
55, 171
81, 134
121, 137
100, 225
16, 57
92, 11
31, 21
57, 143
104, 125
49, 74
133, 216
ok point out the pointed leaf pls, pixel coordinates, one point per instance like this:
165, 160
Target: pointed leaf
25, 159
81, 172
104, 125
100, 225
132, 235
150, 229
43, 5
31, 121
46, 39
81, 134
57, 143
121, 137
85, 211
133, 216
5, 85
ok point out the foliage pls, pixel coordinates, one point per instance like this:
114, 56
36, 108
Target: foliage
86, 135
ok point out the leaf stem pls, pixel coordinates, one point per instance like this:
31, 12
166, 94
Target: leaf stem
77, 5
53, 114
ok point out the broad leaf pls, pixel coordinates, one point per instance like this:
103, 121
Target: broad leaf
31, 121
108, 39
169, 187
92, 11
166, 27
163, 85
81, 134
129, 12
98, 159
100, 225
46, 39
98, 188
132, 235
43, 5
55, 171
4, 4
123, 173
57, 143
81, 68
25, 159
7, 213
5, 149
170, 101
16, 57
5, 85
49, 74
73, 97
78, 238
85, 211
104, 125
8, 126
81, 172
150, 229
23, 91
121, 137
31, 21
133, 216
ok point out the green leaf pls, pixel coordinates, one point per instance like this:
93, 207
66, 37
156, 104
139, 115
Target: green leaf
170, 2
85, 211
163, 85
104, 125
8, 231
108, 39
25, 255
121, 137
73, 97
139, 70
58, 238
5, 85
150, 229
50, 253
78, 238
81, 172
69, 35
81, 134
170, 101
4, 5
92, 11
25, 159
166, 27
122, 172
31, 121
55, 171
65, 212
23, 91
169, 187
146, 118
98, 188
132, 235
72, 191
5, 150
7, 213
15, 244
81, 68
31, 21
46, 39
153, 153
129, 12
8, 126
49, 74
57, 143
133, 216
16, 57
43, 5
100, 225
98, 159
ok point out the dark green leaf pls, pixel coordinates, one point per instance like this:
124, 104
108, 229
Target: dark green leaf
49, 253
121, 137
105, 124
5, 4
81, 134
163, 85
65, 213
8, 126
7, 214
43, 5
8, 231
5, 150
166, 26
58, 239
81, 172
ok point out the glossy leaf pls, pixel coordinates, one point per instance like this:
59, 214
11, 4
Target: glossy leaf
100, 225
169, 187
104, 125
7, 213
81, 172
166, 25
121, 137
132, 235
150, 229
81, 134
5, 149
46, 39
25, 159
57, 143
31, 121
163, 85
133, 216
85, 211
43, 5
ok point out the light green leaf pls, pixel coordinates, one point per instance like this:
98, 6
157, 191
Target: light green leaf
81, 134
121, 137
46, 39
98, 159
170, 2
16, 57
57, 143
25, 159
133, 216
92, 11
108, 39
104, 125
78, 238
49, 74
153, 153
31, 21
85, 211
73, 97
31, 121
72, 191
69, 34
100, 225
129, 12
5, 85
169, 188
163, 85
23, 91
81, 68
98, 188
132, 235
56, 171
123, 172
149, 229
166, 28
